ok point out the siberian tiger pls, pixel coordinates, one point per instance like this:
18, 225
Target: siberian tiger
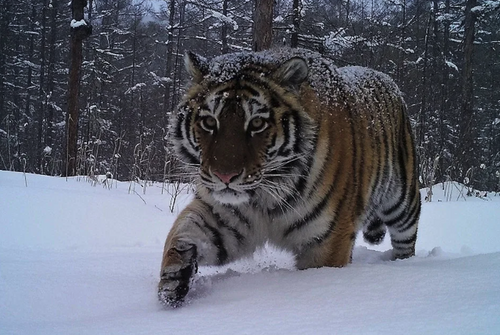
292, 150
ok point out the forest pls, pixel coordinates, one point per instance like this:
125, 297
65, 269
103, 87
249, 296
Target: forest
443, 54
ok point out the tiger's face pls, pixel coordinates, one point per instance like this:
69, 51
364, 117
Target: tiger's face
242, 131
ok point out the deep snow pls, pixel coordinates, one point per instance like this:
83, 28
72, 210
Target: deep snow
83, 259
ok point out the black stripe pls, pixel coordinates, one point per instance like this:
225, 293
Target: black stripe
385, 131
219, 244
355, 167
411, 220
385, 164
377, 160
239, 215
317, 240
222, 223
403, 178
218, 99
331, 227
178, 129
205, 178
301, 183
250, 89
414, 181
217, 239
298, 127
410, 240
403, 215
187, 157
321, 238
298, 188
312, 215
187, 126
272, 144
303, 173
286, 136
398, 218
275, 102
321, 175
253, 102
360, 204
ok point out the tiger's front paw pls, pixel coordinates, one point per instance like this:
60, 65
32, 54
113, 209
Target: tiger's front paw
179, 268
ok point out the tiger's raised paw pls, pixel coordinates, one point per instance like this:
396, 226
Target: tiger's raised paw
179, 268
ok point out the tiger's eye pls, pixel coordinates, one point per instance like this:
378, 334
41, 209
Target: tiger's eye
257, 124
209, 123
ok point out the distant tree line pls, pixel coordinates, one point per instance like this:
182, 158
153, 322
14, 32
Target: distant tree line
444, 55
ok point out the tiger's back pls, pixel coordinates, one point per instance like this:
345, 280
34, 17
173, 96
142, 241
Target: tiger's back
294, 151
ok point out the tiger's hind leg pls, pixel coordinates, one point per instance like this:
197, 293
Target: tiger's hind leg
374, 231
402, 224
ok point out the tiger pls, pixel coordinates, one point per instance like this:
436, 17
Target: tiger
292, 151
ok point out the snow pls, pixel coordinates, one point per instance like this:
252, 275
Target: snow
83, 259
135, 88
337, 42
328, 81
451, 65
224, 18
75, 24
47, 150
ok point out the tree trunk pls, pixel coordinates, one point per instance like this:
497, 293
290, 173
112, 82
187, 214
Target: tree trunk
422, 128
78, 34
444, 107
294, 42
400, 70
179, 46
5, 18
51, 84
263, 25
225, 47
42, 94
466, 133
169, 63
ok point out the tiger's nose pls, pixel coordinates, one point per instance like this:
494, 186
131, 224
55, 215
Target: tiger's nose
226, 178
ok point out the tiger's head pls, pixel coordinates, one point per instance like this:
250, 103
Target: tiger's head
242, 123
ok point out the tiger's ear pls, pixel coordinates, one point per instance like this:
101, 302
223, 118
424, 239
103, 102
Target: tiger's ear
292, 72
196, 66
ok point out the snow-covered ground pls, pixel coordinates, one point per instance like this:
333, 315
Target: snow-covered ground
83, 259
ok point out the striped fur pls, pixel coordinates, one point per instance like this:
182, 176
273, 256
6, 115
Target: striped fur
294, 151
